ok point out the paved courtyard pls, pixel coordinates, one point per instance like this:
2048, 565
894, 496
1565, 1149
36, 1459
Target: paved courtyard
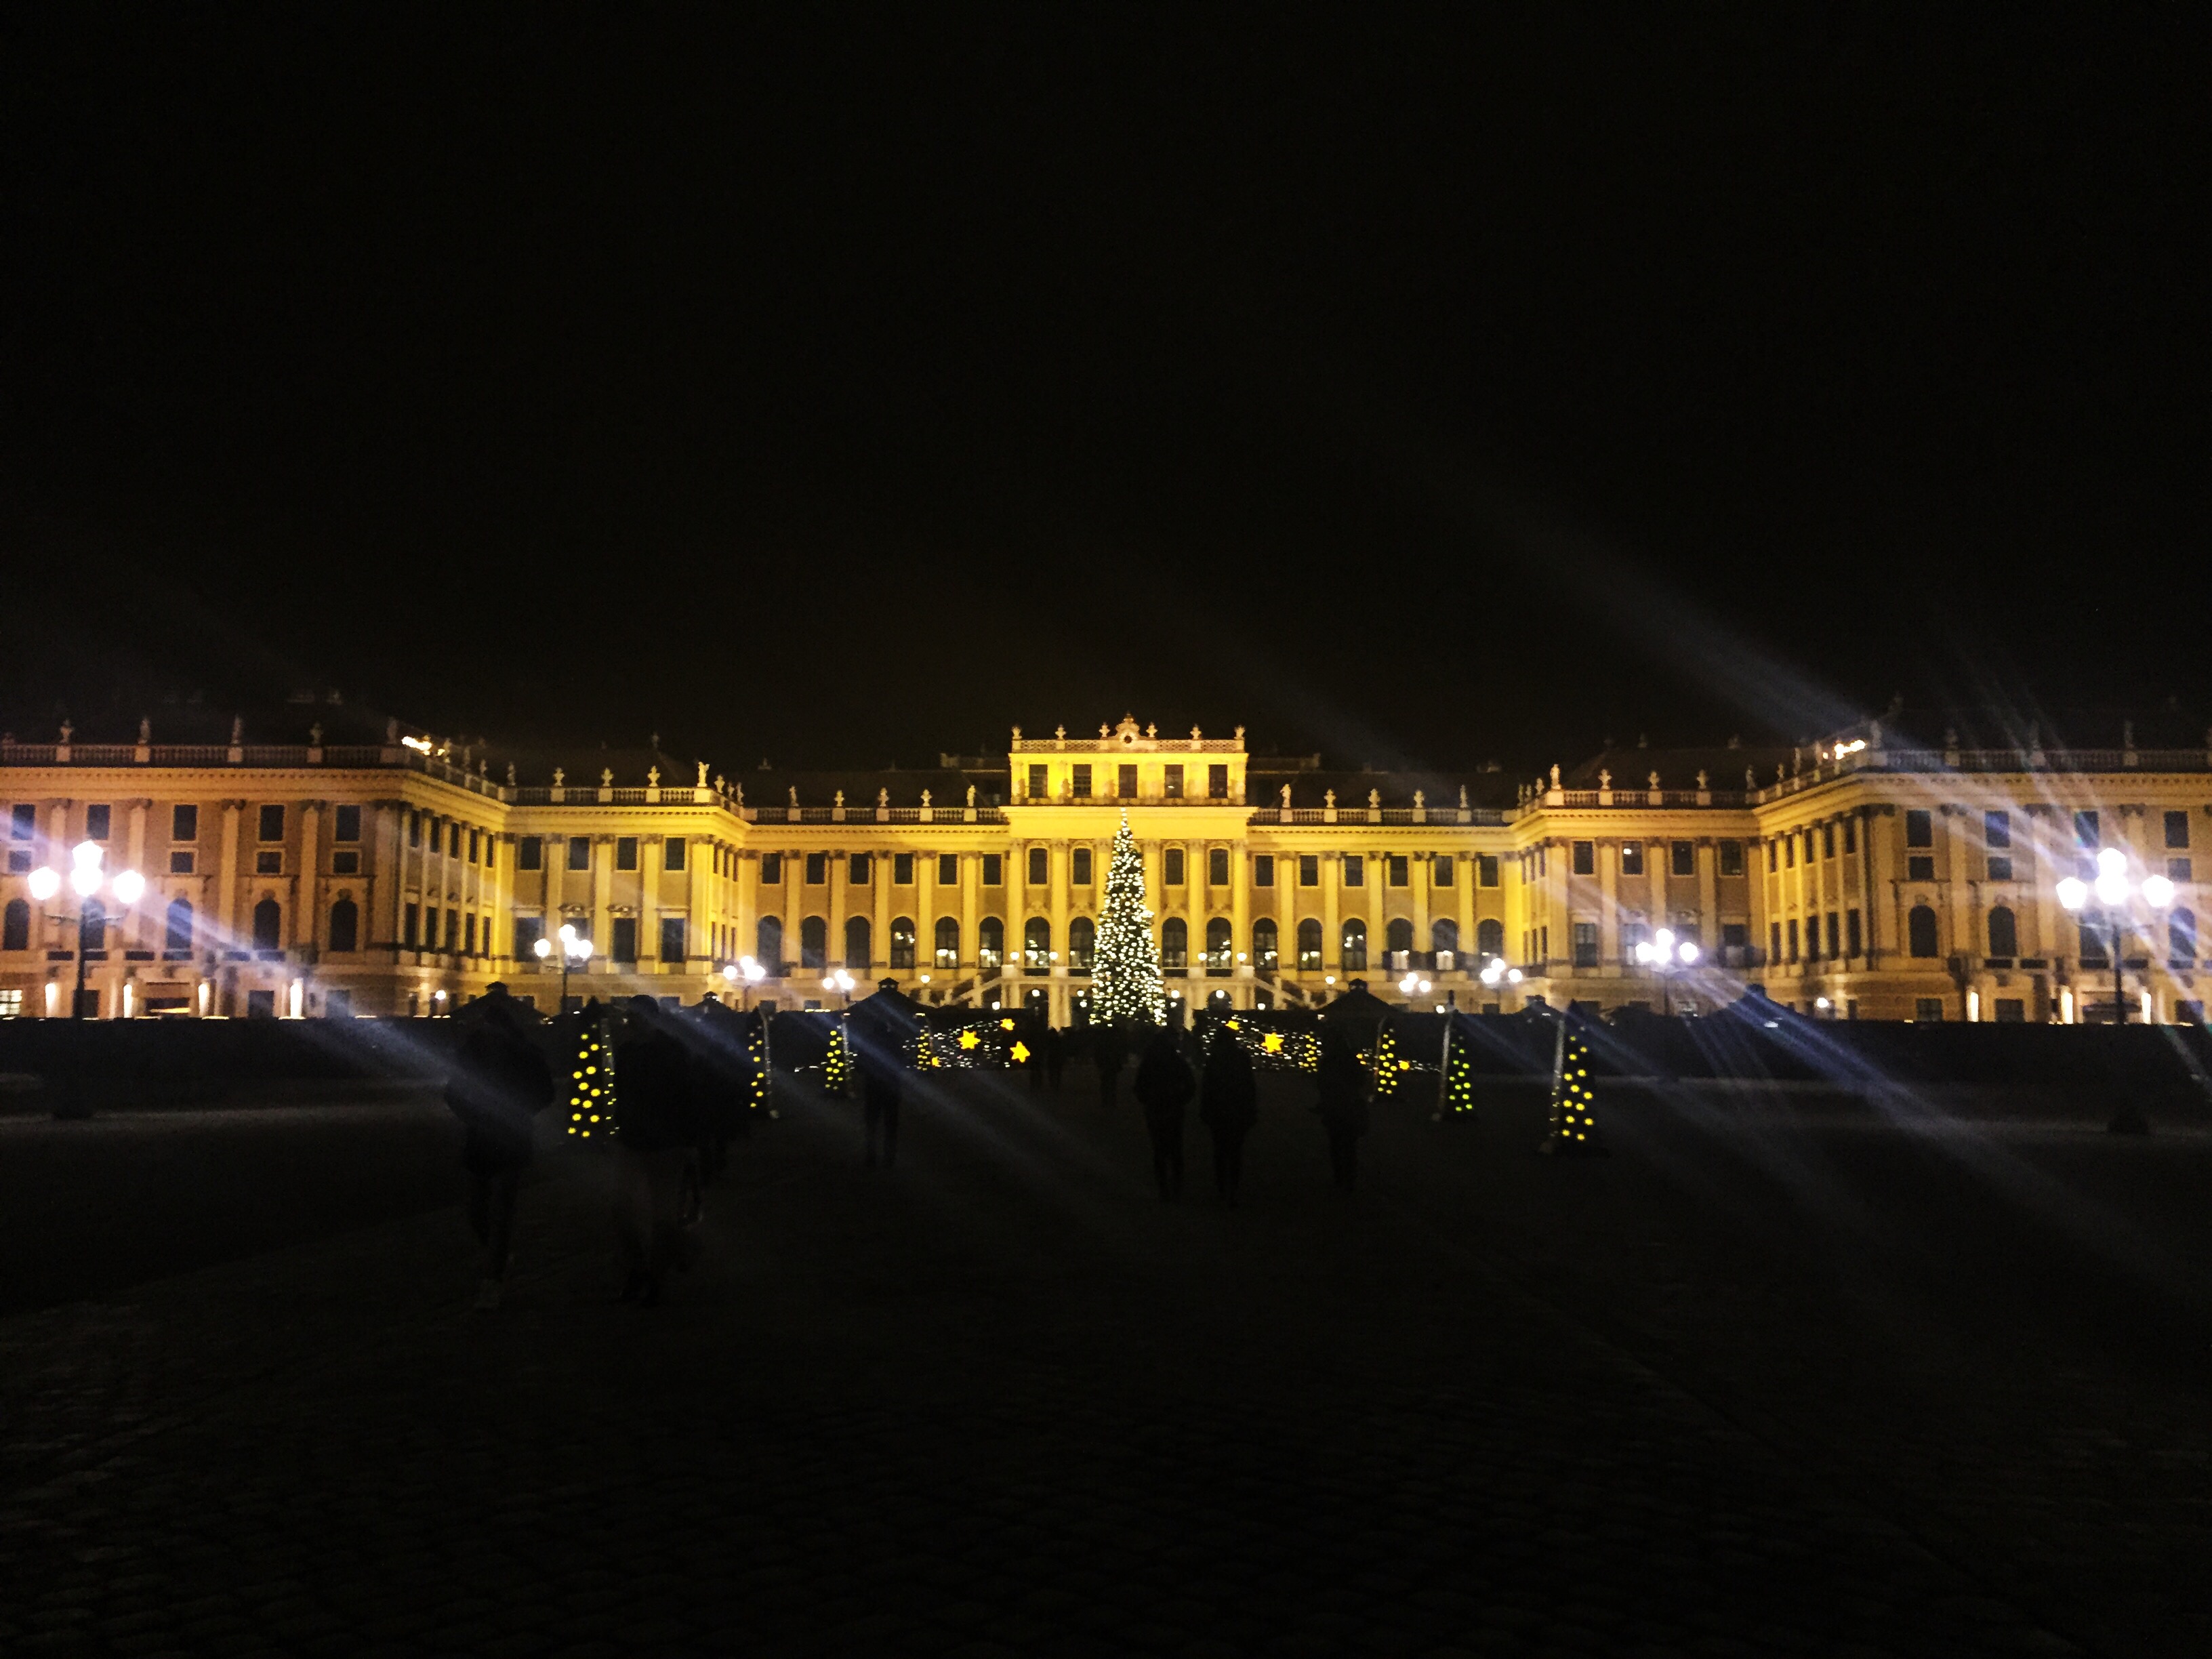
1759, 1383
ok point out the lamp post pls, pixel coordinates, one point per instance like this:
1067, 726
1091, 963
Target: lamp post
85, 878
744, 971
2113, 890
840, 980
574, 948
1495, 972
1663, 954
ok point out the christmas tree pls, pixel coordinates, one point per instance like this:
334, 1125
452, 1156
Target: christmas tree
1574, 1121
1126, 971
590, 1081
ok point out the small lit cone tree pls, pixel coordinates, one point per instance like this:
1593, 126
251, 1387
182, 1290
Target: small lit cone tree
591, 1083
1125, 974
1456, 1093
1573, 1130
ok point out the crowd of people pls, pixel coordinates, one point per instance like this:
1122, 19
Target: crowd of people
688, 1080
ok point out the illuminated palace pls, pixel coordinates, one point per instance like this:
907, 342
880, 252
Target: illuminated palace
1867, 876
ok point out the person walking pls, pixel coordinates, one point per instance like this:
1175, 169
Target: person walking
499, 1082
1109, 1051
1342, 1104
655, 1132
1163, 1088
1230, 1105
881, 1030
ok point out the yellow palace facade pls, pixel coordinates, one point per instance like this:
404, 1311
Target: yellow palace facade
1860, 877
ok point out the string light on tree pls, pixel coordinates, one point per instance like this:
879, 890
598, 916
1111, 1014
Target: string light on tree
591, 1085
1574, 1120
1125, 974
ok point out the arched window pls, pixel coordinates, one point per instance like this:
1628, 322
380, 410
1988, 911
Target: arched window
1398, 936
1443, 935
948, 941
1920, 932
2181, 936
1082, 943
1220, 948
1036, 946
2004, 932
1267, 950
16, 932
1355, 945
1174, 945
1309, 943
345, 925
902, 942
177, 937
1489, 937
990, 942
857, 943
92, 930
767, 943
268, 926
814, 944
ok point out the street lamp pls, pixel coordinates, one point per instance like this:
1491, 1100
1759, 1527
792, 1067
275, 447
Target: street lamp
574, 948
85, 878
1495, 973
2112, 891
1664, 954
839, 981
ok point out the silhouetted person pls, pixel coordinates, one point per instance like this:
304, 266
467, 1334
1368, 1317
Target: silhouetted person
880, 1031
499, 1082
1056, 1055
656, 1128
1109, 1051
1034, 1040
1229, 1105
722, 1083
1342, 1104
1163, 1088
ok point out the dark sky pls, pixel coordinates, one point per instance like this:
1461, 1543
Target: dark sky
845, 383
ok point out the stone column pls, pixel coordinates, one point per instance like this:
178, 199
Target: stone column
143, 933
879, 936
833, 947
603, 881
307, 907
971, 878
1061, 856
226, 902
1332, 943
1418, 874
1709, 912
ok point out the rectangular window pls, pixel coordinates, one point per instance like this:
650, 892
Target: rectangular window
673, 853
1127, 782
1789, 853
672, 942
771, 870
1790, 933
948, 869
1996, 828
1397, 870
1039, 788
1919, 827
469, 935
994, 870
1263, 870
1485, 869
1631, 858
410, 924
817, 869
96, 821
862, 869
413, 829
2177, 870
1585, 944
1171, 867
1040, 866
1928, 1011
1774, 941
1828, 840
1081, 789
268, 863
1355, 870
2085, 830
625, 852
1309, 870
1682, 858
580, 852
1773, 856
528, 930
1079, 869
1921, 867
345, 823
1852, 940
2000, 869
476, 847
1835, 934
1585, 862
1217, 866
1217, 783
1731, 857
1440, 870
180, 862
1173, 788
2177, 829
272, 823
530, 853
1850, 834
454, 840
902, 869
23, 821
346, 862
625, 940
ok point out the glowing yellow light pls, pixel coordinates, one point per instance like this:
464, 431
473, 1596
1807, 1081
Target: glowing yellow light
1006, 1025
1272, 1043
1020, 1052
969, 1039
1232, 1025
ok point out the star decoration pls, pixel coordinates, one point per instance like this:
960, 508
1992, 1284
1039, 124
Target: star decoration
1272, 1043
969, 1039
1020, 1052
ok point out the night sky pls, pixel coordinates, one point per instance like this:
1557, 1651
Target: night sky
842, 385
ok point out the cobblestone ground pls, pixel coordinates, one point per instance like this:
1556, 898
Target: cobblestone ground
1001, 1401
